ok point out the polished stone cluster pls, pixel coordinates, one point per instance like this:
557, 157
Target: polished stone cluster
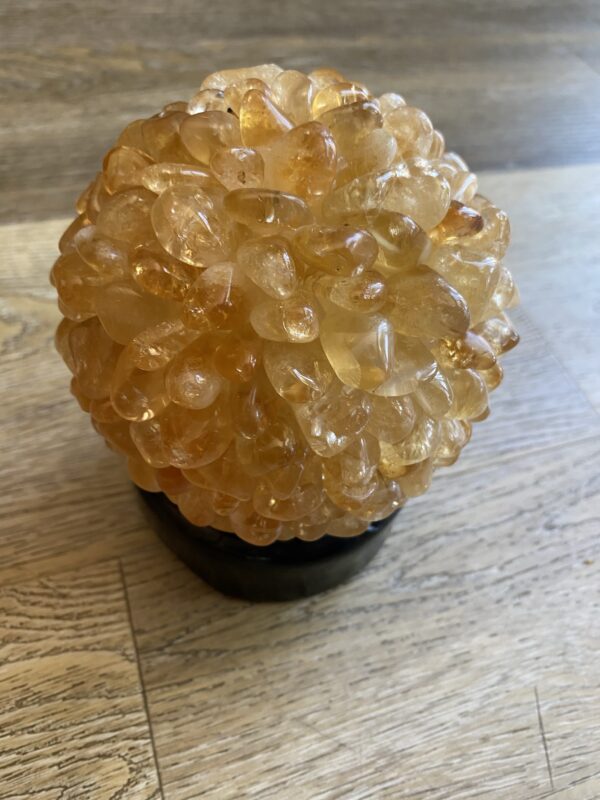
284, 303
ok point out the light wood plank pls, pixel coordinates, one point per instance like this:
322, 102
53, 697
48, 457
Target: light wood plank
71, 81
416, 680
555, 254
72, 716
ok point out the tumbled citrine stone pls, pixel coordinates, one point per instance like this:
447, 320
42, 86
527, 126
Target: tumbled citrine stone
261, 122
293, 320
300, 373
365, 292
161, 136
158, 177
284, 303
154, 347
236, 359
216, 299
268, 262
466, 351
137, 394
190, 226
331, 422
360, 348
266, 210
159, 273
125, 310
204, 134
350, 477
235, 92
469, 391
460, 221
238, 167
191, 379
303, 161
351, 124
401, 241
412, 130
434, 395
499, 334
123, 167
337, 250
126, 216
420, 444
92, 357
293, 92
337, 94
424, 304
391, 419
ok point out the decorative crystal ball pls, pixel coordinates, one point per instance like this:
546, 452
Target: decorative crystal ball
284, 303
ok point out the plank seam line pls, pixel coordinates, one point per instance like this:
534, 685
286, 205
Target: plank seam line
141, 678
543, 735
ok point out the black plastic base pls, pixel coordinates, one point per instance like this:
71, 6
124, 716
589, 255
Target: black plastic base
281, 571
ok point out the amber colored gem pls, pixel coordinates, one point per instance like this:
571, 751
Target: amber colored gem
337, 250
351, 124
137, 394
158, 177
424, 304
190, 226
337, 94
161, 137
126, 216
466, 351
401, 240
360, 348
268, 262
125, 310
303, 161
123, 167
261, 122
293, 92
460, 221
207, 100
159, 273
412, 130
235, 92
142, 474
365, 293
300, 373
216, 299
293, 320
238, 167
499, 334
204, 134
420, 444
191, 379
237, 359
155, 346
266, 210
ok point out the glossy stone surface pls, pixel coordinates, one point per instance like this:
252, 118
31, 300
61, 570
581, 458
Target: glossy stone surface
284, 303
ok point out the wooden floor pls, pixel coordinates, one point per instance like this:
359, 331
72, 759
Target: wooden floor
464, 663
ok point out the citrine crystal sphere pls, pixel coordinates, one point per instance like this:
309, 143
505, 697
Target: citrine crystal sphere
284, 303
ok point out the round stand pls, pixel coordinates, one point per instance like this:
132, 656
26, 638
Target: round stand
281, 571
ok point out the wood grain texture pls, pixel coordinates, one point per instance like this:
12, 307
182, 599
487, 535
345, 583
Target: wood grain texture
420, 678
509, 83
72, 717
462, 665
554, 255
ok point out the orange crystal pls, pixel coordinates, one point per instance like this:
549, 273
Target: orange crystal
284, 303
